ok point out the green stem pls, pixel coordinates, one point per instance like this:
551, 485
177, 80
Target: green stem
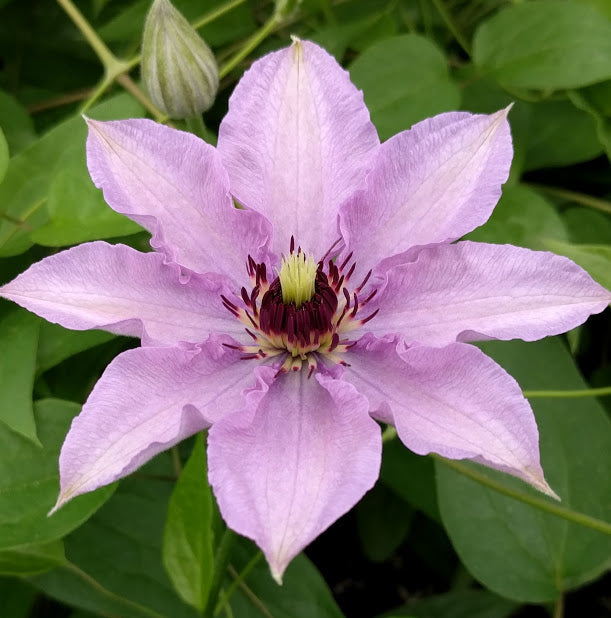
544, 505
580, 198
584, 392
559, 606
195, 125
176, 463
128, 83
139, 609
97, 93
107, 58
221, 562
251, 44
216, 13
252, 597
239, 578
452, 26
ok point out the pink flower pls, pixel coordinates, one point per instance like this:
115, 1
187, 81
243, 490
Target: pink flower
289, 360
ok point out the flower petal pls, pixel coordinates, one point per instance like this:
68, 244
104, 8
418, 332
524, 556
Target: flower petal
147, 400
116, 288
296, 142
455, 401
433, 183
473, 291
174, 185
299, 456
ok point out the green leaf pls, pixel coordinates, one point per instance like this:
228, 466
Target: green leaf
513, 548
404, 79
587, 226
522, 217
17, 597
32, 559
188, 537
559, 135
459, 604
19, 335
77, 210
303, 594
596, 101
411, 476
114, 563
545, 45
3, 155
383, 521
16, 123
596, 259
29, 481
353, 30
25, 189
56, 344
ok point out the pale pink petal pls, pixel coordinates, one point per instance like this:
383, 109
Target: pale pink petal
295, 459
296, 142
147, 400
431, 184
116, 288
174, 185
473, 291
454, 401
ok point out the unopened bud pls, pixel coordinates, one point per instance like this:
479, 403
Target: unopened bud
179, 70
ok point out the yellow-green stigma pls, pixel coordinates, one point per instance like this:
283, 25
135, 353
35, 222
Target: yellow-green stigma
297, 277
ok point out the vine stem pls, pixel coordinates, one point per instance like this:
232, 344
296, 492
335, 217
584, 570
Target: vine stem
540, 503
544, 505
237, 581
452, 26
580, 198
583, 392
107, 58
221, 562
252, 43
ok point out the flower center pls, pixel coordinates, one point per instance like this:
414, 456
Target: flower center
297, 278
303, 313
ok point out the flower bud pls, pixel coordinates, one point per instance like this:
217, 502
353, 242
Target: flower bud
179, 70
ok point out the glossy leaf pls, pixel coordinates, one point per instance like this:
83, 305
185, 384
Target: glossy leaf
19, 336
16, 123
31, 559
515, 549
383, 522
404, 79
560, 134
596, 259
17, 597
596, 101
587, 226
56, 344
77, 210
411, 476
25, 189
522, 217
114, 560
29, 481
544, 45
188, 537
303, 593
4, 156
459, 604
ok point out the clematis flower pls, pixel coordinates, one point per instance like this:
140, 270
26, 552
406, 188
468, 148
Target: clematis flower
333, 298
